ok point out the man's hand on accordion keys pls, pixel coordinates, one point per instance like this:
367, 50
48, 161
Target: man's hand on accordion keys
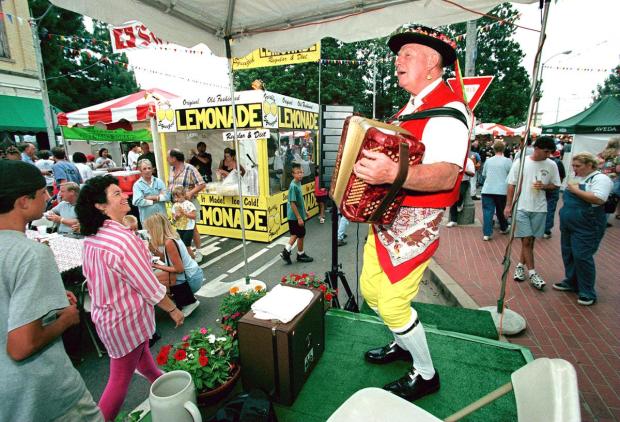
376, 168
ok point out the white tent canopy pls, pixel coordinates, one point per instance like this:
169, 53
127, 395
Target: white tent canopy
278, 25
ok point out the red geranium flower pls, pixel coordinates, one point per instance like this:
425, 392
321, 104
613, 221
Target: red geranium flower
323, 287
185, 345
162, 359
202, 351
328, 297
165, 349
283, 279
203, 360
180, 354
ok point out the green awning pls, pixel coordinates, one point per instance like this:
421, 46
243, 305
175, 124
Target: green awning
602, 117
92, 133
20, 114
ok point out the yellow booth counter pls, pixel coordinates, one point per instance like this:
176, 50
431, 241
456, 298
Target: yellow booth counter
274, 131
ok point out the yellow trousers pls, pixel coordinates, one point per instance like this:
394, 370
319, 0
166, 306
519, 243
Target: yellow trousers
393, 301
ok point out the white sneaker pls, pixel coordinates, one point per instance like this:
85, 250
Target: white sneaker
537, 281
187, 310
198, 256
519, 273
459, 208
486, 238
321, 220
451, 224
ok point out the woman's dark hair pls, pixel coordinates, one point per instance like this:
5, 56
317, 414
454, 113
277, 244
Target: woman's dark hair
230, 152
79, 157
101, 151
93, 192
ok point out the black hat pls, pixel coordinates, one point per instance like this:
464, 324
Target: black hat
19, 178
417, 34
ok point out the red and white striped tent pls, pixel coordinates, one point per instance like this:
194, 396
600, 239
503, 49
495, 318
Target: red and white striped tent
132, 108
494, 129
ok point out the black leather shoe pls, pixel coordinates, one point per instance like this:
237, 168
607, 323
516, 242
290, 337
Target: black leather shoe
412, 386
388, 353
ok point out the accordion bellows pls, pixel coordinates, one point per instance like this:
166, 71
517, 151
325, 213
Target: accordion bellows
357, 200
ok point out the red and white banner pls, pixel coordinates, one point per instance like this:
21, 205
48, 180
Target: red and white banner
132, 35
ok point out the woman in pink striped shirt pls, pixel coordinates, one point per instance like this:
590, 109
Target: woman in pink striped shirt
122, 287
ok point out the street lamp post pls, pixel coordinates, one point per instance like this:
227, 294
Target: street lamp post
540, 81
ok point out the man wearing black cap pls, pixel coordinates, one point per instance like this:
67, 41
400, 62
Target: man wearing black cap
35, 310
395, 257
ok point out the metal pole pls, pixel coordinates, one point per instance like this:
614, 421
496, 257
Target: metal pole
374, 88
470, 48
506, 262
233, 110
557, 111
47, 113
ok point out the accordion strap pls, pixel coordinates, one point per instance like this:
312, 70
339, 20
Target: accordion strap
435, 112
401, 176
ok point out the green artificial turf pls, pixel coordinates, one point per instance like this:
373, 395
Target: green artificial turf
449, 318
469, 367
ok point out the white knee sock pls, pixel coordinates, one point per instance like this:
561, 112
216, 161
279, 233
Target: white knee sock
414, 340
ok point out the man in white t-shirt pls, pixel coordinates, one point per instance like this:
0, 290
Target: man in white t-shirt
540, 174
132, 156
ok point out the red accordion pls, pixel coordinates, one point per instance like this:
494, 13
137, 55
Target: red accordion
357, 200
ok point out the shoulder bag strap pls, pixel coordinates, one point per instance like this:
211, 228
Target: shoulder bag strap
436, 112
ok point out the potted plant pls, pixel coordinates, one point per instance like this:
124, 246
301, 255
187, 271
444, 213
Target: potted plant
210, 358
235, 305
310, 280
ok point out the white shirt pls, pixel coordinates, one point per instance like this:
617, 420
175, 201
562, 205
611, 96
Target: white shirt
132, 159
85, 171
450, 131
598, 183
545, 171
469, 167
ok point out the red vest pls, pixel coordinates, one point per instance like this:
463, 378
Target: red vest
438, 97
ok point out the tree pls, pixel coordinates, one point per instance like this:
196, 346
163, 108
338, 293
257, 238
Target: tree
507, 99
80, 67
611, 85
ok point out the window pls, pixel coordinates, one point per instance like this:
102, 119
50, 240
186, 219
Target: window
4, 41
286, 148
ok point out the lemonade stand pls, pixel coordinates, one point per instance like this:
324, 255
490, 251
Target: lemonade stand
274, 131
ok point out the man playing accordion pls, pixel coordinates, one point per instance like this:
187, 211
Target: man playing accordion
395, 257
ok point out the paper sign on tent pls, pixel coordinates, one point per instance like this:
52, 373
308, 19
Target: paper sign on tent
475, 87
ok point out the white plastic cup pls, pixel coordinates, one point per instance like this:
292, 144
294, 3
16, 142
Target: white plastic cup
42, 230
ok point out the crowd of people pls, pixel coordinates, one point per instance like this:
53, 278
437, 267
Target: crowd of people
126, 275
589, 203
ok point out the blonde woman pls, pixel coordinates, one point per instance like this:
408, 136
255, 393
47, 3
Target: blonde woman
179, 271
582, 226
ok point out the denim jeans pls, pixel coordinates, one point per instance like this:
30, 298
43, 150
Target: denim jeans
581, 228
493, 204
552, 202
463, 190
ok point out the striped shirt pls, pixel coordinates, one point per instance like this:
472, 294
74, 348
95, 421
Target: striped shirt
122, 287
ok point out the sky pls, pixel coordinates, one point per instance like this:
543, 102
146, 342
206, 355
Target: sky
588, 29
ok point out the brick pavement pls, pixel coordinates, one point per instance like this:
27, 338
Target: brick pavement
588, 337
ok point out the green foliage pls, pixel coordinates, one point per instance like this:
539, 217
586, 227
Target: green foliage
309, 280
507, 99
235, 305
89, 79
611, 86
125, 416
209, 358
